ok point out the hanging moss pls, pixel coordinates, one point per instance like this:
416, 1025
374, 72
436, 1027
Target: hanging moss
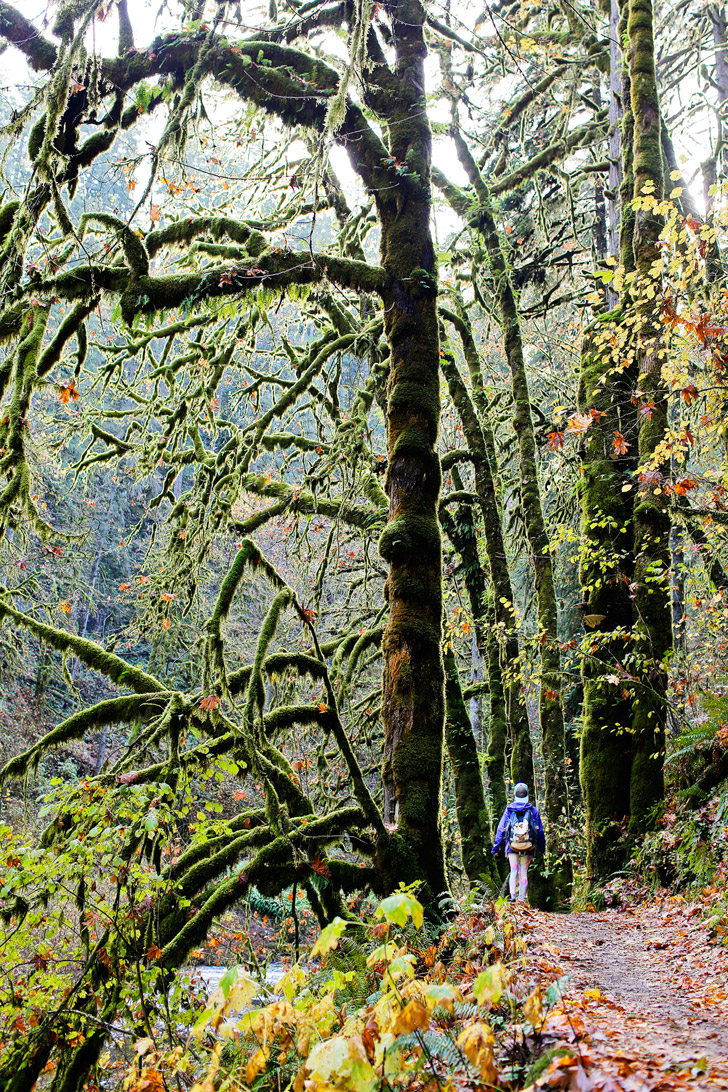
91, 654
185, 230
8, 211
115, 710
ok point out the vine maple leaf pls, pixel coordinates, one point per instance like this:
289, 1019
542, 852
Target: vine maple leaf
67, 392
579, 422
619, 443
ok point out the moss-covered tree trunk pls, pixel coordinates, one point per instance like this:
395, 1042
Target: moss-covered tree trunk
470, 804
607, 555
480, 443
550, 698
413, 708
625, 569
651, 516
606, 573
462, 532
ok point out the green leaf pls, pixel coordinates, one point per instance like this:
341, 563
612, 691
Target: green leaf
329, 937
488, 986
397, 908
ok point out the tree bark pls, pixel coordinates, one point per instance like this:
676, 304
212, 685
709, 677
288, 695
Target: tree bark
651, 516
470, 804
413, 707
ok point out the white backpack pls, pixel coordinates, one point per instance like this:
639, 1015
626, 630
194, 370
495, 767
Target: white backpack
521, 837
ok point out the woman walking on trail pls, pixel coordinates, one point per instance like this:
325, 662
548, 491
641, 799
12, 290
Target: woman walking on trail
522, 830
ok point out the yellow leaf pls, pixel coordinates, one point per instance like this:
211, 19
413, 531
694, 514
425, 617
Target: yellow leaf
413, 1016
442, 994
488, 986
242, 993
593, 995
255, 1064
329, 937
476, 1042
533, 1009
65, 606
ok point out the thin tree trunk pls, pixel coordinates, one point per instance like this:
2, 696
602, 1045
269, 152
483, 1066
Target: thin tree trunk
479, 439
550, 710
472, 810
462, 533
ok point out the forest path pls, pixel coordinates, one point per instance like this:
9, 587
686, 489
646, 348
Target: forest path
648, 999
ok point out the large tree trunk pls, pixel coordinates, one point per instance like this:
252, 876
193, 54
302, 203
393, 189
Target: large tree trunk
413, 707
606, 572
651, 516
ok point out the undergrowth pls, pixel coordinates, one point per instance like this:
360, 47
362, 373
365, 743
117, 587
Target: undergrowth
383, 1005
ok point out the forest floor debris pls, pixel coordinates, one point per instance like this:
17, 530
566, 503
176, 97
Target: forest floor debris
647, 1008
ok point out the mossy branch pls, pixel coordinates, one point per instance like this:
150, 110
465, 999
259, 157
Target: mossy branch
248, 556
22, 33
121, 710
91, 654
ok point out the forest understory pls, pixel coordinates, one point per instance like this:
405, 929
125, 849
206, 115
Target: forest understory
363, 480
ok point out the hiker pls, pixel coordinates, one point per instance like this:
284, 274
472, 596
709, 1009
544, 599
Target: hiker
522, 830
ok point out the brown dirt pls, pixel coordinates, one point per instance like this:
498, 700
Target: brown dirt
648, 996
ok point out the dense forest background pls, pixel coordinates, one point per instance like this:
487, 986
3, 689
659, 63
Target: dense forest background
362, 452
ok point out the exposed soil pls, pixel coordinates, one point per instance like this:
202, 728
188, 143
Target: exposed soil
648, 998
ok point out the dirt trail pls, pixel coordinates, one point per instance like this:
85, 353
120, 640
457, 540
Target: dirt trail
649, 995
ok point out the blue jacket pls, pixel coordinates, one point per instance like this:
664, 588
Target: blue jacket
519, 807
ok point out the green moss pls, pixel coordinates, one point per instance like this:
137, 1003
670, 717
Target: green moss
91, 654
132, 246
121, 710
36, 138
471, 807
72, 324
